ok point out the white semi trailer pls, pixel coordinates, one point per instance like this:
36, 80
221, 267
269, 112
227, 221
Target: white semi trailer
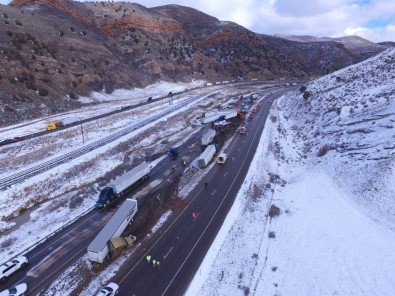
208, 137
99, 249
115, 189
206, 156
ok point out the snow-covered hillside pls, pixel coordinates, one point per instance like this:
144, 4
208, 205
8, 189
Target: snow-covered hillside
326, 161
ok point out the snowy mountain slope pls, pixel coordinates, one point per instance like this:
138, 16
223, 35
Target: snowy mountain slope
334, 234
352, 113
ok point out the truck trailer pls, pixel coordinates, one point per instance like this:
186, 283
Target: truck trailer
102, 248
62, 123
210, 117
117, 188
206, 156
207, 138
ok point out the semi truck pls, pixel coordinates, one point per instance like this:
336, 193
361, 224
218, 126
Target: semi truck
173, 153
242, 130
117, 188
108, 243
207, 138
221, 158
207, 156
61, 123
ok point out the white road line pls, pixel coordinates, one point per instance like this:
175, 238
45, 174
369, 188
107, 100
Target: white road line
164, 257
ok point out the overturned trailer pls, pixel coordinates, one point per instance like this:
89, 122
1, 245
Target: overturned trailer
101, 247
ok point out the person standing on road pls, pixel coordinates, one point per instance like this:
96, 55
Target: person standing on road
157, 264
154, 263
148, 259
205, 184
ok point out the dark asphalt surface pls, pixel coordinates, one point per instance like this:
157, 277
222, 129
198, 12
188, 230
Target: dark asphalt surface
183, 242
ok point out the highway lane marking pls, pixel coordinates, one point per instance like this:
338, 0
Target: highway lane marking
213, 192
164, 257
215, 213
225, 173
194, 216
233, 143
57, 269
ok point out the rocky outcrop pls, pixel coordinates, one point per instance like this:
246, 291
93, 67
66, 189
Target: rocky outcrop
67, 6
144, 23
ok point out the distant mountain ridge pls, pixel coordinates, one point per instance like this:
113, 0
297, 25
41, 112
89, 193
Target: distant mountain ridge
355, 44
54, 51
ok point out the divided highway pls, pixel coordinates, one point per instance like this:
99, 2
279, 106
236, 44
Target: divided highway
183, 241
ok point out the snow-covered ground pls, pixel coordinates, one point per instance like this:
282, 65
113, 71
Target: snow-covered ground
327, 163
316, 212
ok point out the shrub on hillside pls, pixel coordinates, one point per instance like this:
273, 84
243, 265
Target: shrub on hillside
302, 88
42, 92
30, 84
18, 23
323, 150
274, 211
73, 96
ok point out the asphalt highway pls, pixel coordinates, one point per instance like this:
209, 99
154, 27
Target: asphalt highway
180, 245
185, 238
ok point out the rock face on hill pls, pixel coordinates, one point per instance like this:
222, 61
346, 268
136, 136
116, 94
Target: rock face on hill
54, 51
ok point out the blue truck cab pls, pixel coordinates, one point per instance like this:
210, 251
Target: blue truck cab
106, 196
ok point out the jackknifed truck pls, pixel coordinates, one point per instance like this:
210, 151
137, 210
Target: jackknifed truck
109, 243
117, 188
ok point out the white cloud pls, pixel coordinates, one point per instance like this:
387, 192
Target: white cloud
303, 17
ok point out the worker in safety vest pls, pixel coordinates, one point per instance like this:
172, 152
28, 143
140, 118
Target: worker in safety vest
153, 263
148, 259
157, 264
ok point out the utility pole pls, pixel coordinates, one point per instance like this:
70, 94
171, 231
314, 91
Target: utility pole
82, 133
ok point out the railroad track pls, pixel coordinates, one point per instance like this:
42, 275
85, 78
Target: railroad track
54, 162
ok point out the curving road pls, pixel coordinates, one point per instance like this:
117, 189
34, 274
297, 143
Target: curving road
180, 245
183, 242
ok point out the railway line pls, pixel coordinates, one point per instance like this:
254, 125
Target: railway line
56, 161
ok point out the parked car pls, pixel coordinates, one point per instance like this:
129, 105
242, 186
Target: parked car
110, 290
18, 290
12, 266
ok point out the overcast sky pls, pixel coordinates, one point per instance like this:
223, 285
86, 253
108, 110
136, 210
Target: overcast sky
370, 19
